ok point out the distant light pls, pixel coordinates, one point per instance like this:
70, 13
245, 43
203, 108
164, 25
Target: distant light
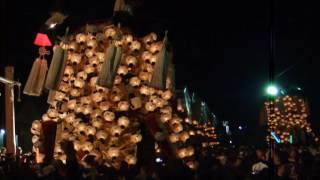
299, 89
272, 90
230, 142
159, 160
52, 25
240, 127
2, 131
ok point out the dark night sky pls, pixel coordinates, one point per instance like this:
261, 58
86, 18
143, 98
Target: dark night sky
221, 49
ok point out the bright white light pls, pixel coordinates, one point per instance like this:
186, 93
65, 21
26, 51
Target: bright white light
230, 142
272, 90
52, 25
240, 127
158, 160
2, 131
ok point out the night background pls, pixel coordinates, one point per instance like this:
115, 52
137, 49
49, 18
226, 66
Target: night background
221, 51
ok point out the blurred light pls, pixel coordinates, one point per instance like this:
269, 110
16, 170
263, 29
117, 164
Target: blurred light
2, 131
299, 89
272, 90
52, 25
291, 139
230, 142
273, 134
240, 127
159, 160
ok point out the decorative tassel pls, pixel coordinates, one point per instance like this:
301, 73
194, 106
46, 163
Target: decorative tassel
56, 69
36, 77
51, 95
110, 66
161, 67
170, 81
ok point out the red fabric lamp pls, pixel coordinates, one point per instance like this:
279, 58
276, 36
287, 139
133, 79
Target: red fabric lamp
42, 40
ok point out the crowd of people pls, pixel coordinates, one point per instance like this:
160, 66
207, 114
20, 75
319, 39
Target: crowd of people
220, 162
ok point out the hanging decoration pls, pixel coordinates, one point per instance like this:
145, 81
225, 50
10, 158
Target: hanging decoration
109, 67
57, 65
35, 82
159, 76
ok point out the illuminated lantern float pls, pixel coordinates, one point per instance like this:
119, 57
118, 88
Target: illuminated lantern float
288, 123
113, 84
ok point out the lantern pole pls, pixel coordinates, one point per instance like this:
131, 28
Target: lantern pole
9, 107
271, 96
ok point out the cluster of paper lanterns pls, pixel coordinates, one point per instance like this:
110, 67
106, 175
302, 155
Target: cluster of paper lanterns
289, 114
103, 120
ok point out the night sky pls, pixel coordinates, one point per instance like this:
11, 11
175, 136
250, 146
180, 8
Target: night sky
221, 49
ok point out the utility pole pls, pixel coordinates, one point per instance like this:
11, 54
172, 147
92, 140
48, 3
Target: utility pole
10, 115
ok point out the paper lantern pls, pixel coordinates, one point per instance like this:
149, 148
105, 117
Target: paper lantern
184, 136
87, 109
87, 147
127, 39
35, 139
135, 46
166, 95
155, 47
108, 116
113, 152
81, 38
131, 61
101, 135
173, 138
122, 70
146, 56
123, 122
149, 106
165, 117
68, 72
73, 46
97, 97
135, 103
104, 106
92, 44
75, 58
36, 126
150, 38
116, 131
123, 106
177, 127
134, 81
182, 153
81, 127
52, 113
110, 33
89, 53
131, 159
97, 123
77, 145
135, 138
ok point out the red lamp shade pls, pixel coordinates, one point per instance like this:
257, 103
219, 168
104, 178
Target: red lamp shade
42, 40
